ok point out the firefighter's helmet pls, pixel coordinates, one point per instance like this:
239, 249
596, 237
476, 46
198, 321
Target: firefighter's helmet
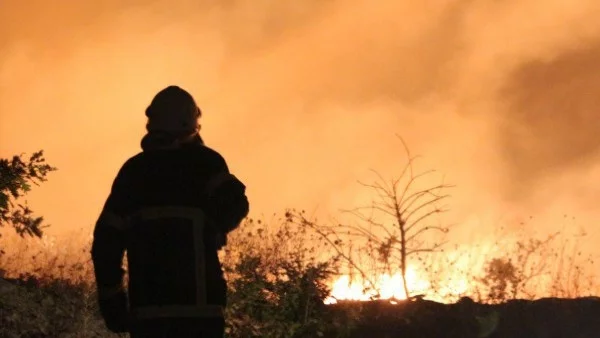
174, 111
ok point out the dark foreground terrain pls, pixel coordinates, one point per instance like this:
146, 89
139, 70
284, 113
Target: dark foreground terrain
543, 318
26, 310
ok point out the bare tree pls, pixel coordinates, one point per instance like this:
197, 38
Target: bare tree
394, 224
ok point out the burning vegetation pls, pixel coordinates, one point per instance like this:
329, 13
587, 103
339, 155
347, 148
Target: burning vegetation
391, 267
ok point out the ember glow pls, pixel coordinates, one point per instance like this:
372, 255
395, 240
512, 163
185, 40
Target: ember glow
388, 287
446, 287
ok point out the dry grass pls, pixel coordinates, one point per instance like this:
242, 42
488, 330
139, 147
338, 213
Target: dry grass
55, 296
60, 299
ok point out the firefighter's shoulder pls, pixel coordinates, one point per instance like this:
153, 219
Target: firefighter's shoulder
209, 155
131, 163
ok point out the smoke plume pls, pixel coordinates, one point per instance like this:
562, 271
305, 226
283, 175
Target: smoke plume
304, 97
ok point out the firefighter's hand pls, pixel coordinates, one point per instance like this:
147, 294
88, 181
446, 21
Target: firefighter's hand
114, 311
221, 240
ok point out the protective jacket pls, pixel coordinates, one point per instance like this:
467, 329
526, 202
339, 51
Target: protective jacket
169, 209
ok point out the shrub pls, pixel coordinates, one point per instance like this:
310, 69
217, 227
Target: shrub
277, 282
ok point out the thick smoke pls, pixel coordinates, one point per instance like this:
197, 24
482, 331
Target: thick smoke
551, 123
303, 98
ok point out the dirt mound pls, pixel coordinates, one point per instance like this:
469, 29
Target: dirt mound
419, 318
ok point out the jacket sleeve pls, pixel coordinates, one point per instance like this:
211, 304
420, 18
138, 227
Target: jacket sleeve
108, 246
227, 201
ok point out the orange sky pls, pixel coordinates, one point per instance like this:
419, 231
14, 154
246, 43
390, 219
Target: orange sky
304, 97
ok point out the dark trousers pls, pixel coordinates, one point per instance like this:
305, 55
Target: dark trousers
179, 328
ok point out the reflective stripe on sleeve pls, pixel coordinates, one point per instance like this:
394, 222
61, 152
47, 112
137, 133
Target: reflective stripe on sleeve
109, 292
108, 218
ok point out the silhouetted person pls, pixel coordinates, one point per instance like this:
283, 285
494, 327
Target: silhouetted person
170, 208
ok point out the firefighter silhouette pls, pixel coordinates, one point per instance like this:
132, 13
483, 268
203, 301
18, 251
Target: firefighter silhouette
169, 209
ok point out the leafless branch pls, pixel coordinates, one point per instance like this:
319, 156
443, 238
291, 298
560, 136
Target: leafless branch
370, 221
434, 248
416, 222
426, 204
407, 203
413, 236
335, 245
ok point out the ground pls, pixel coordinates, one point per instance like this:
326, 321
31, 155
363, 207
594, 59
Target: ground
31, 310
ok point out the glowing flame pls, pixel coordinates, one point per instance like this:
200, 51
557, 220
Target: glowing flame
389, 287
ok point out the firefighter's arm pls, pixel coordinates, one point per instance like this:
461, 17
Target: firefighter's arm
228, 203
108, 248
